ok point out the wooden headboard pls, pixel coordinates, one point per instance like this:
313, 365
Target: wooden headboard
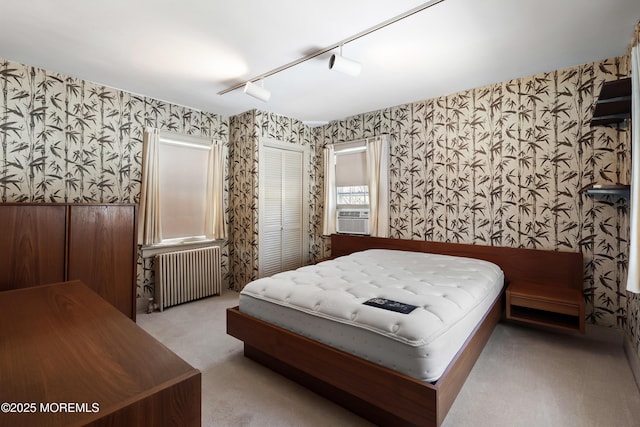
532, 265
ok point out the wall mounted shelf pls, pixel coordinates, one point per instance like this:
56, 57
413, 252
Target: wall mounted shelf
614, 103
621, 190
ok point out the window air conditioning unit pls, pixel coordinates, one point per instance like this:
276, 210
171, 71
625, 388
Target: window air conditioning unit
353, 221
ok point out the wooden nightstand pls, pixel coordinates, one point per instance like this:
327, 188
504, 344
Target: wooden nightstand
547, 305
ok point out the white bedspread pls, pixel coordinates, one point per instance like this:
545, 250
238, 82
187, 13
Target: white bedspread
451, 295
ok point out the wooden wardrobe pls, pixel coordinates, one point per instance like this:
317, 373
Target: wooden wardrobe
43, 243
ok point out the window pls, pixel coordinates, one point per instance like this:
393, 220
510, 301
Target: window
351, 177
182, 191
353, 195
183, 187
357, 173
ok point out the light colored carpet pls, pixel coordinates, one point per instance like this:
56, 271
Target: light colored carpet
524, 377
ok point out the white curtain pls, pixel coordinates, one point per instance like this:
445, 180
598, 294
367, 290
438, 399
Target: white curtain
215, 226
329, 212
378, 171
633, 277
149, 227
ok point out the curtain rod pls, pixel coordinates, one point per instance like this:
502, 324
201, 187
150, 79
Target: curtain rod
335, 45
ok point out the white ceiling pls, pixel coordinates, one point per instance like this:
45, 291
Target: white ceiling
186, 51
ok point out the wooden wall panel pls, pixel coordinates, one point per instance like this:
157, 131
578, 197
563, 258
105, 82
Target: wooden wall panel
48, 243
102, 251
32, 245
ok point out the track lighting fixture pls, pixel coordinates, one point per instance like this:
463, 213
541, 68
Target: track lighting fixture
337, 62
344, 65
258, 92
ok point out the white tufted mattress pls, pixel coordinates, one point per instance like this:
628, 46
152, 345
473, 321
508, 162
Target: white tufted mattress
325, 302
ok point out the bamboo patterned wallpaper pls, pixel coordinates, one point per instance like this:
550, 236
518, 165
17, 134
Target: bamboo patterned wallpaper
503, 165
246, 131
68, 140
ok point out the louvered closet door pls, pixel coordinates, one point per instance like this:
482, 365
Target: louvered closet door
292, 210
281, 240
270, 257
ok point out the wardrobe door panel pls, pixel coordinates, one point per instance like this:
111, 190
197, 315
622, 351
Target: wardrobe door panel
102, 252
32, 245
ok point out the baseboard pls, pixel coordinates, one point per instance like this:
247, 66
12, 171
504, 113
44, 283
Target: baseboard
633, 358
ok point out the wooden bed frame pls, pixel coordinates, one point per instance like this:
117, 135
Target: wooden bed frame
374, 392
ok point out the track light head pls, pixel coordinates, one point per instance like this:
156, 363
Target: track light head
258, 92
344, 65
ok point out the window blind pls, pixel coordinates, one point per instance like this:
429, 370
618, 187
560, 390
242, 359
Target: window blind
351, 169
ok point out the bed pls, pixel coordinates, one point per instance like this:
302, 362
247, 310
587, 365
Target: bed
407, 311
399, 386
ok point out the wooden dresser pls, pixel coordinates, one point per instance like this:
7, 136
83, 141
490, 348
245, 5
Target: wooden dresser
52, 242
62, 344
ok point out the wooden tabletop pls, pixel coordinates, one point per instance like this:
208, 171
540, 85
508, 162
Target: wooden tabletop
63, 344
